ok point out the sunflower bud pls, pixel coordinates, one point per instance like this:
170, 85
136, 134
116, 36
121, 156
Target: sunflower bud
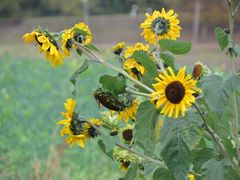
198, 70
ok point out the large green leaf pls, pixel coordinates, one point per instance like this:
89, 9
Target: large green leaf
163, 173
117, 84
177, 156
201, 156
215, 96
221, 37
145, 123
174, 46
189, 128
214, 169
75, 75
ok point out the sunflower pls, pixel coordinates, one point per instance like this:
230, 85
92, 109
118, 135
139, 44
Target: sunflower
73, 127
131, 65
47, 44
164, 24
129, 111
174, 91
118, 48
124, 165
66, 41
126, 134
82, 33
89, 131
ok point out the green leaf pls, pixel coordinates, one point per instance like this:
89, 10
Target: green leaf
109, 142
144, 128
131, 173
80, 31
148, 168
174, 46
75, 75
215, 96
163, 173
214, 169
189, 128
92, 47
115, 84
221, 37
103, 148
179, 137
142, 58
202, 156
177, 156
168, 58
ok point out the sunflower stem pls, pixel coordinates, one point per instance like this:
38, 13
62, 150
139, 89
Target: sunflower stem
158, 50
138, 93
231, 15
218, 141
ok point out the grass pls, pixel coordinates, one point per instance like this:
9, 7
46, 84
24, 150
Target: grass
32, 96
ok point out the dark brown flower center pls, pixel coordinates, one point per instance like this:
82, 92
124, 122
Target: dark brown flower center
175, 92
76, 125
127, 134
92, 132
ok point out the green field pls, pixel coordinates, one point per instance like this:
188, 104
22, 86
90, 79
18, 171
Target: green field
32, 96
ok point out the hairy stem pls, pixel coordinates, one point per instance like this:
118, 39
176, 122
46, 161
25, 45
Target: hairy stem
138, 93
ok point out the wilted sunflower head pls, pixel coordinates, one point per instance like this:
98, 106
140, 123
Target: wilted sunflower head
174, 92
67, 43
108, 100
164, 24
47, 44
198, 70
118, 48
73, 127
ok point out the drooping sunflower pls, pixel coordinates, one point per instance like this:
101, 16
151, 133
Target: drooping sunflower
164, 24
89, 131
131, 65
118, 48
47, 44
175, 92
129, 111
72, 126
66, 41
82, 33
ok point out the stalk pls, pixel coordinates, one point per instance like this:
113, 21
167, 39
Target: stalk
232, 12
